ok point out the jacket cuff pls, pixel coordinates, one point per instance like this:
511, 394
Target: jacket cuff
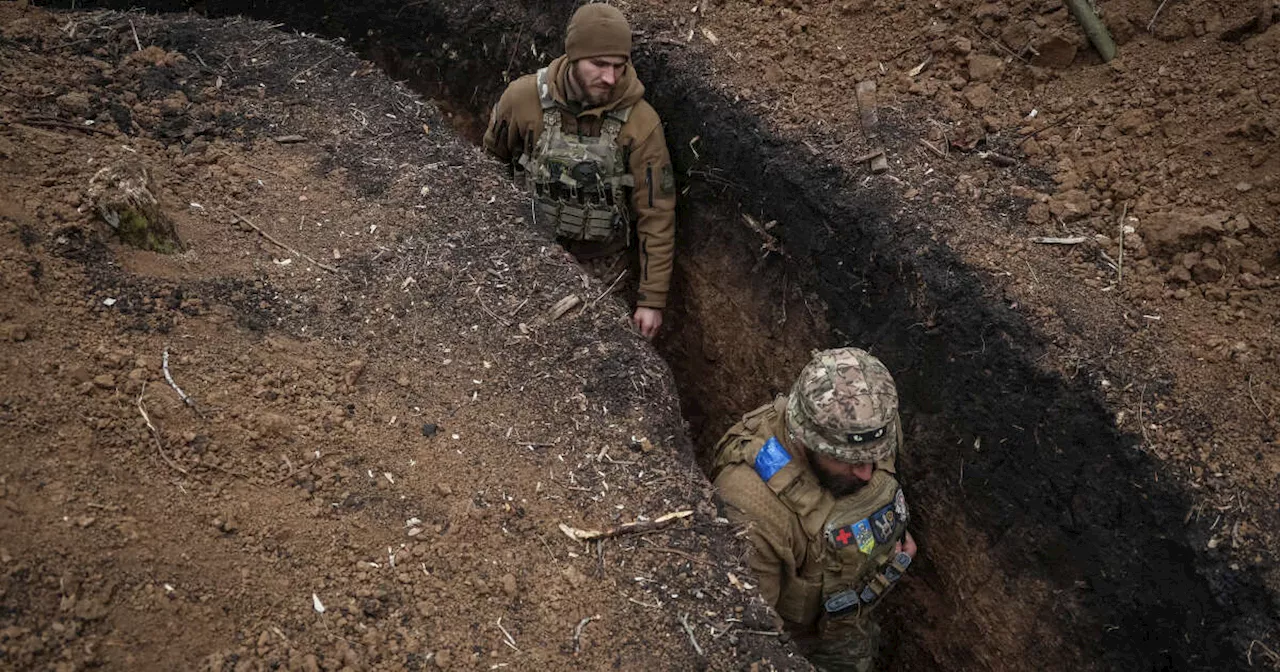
651, 299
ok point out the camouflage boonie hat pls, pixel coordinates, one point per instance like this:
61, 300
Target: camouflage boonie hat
844, 404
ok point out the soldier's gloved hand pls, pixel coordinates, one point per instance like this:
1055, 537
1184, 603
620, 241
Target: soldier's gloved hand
648, 321
907, 545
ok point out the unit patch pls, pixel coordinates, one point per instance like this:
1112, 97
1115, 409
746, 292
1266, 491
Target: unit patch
882, 523
771, 459
900, 507
862, 532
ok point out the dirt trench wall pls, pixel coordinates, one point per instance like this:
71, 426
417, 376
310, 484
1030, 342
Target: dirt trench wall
1049, 541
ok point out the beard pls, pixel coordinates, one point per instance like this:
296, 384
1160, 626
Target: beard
839, 486
591, 96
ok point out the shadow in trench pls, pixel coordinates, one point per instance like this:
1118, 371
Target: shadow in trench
1049, 541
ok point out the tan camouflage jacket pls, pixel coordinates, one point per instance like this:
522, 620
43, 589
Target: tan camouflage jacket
789, 555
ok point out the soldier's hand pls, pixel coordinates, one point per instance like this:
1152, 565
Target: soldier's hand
648, 321
907, 545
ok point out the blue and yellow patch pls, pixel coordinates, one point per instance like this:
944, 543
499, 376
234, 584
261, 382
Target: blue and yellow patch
862, 532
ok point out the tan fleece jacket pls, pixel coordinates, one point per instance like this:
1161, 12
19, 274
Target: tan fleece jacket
516, 124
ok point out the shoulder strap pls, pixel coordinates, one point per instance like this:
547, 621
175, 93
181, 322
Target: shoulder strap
544, 90
621, 114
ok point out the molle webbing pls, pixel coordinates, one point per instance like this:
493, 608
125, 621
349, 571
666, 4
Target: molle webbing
579, 184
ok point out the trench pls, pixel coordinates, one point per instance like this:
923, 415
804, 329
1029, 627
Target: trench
1049, 541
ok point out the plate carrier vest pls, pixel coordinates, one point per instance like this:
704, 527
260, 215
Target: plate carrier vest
579, 184
850, 562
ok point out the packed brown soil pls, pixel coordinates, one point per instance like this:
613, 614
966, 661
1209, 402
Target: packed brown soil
1070, 266
386, 426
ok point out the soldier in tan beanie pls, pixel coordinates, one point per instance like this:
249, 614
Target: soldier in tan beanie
813, 475
580, 137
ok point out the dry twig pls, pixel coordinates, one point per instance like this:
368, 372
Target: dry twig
1151, 25
156, 434
1249, 382
136, 41
508, 639
1120, 264
58, 123
608, 291
577, 631
288, 249
1003, 47
169, 377
684, 620
1271, 654
931, 147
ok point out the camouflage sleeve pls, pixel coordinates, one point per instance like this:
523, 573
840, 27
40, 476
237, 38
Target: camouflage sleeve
654, 202
847, 644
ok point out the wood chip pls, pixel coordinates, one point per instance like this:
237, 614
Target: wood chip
1073, 240
869, 156
865, 92
289, 139
920, 68
563, 306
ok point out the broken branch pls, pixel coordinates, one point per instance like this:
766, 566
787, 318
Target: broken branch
637, 527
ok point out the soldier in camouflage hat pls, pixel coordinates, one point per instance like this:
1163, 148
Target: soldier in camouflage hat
813, 475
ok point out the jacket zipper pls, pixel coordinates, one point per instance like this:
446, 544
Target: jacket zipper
648, 178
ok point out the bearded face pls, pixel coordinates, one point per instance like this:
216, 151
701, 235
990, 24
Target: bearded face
596, 77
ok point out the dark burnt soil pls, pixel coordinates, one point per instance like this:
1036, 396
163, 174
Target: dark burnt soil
1054, 537
362, 483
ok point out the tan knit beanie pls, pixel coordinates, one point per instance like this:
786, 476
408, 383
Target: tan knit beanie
597, 29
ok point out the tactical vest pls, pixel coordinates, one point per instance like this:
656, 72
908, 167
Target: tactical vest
579, 184
850, 562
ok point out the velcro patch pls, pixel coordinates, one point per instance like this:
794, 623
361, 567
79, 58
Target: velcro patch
866, 540
668, 180
842, 602
883, 523
771, 459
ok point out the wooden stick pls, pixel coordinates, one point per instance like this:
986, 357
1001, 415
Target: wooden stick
1094, 28
280, 244
638, 527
